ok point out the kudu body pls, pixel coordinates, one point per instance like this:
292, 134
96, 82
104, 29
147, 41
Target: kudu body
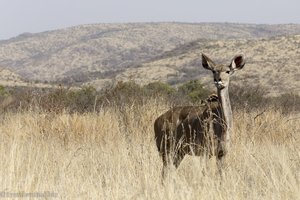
202, 129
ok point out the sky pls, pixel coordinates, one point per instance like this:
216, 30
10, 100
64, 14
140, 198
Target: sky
20, 16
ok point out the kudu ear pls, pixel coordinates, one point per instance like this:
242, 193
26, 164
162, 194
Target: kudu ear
207, 63
238, 62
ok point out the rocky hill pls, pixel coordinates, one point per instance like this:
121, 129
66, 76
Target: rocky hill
102, 54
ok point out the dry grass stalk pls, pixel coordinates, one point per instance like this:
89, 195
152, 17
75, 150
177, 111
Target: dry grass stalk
112, 155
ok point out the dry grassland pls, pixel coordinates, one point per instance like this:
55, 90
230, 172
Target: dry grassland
112, 155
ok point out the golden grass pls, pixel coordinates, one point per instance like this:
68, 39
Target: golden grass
112, 155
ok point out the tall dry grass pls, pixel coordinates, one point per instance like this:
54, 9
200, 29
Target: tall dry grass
112, 155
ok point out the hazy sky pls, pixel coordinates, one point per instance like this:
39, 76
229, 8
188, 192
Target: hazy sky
19, 16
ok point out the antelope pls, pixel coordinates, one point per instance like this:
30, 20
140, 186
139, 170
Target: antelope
204, 129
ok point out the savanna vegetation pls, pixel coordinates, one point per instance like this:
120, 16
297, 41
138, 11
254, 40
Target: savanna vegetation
86, 144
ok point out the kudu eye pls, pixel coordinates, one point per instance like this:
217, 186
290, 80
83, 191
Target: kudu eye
228, 72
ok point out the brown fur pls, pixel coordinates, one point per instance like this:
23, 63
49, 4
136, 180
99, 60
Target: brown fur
188, 130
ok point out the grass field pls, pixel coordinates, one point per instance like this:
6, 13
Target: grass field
112, 155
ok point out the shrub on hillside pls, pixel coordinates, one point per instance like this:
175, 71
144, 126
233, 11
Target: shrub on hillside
3, 91
122, 93
250, 97
83, 100
194, 91
87, 99
159, 88
288, 102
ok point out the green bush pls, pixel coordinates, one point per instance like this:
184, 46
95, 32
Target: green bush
194, 90
3, 91
159, 88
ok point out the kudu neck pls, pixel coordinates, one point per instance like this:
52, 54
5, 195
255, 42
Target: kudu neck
223, 96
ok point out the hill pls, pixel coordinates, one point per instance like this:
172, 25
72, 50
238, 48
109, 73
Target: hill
101, 54
272, 63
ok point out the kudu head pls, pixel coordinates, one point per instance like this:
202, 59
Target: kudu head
222, 72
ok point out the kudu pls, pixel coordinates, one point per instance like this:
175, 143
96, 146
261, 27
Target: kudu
202, 129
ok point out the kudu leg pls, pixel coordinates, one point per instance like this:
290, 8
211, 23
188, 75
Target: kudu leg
220, 166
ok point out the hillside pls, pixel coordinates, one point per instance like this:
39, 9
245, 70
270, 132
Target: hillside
272, 63
101, 54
